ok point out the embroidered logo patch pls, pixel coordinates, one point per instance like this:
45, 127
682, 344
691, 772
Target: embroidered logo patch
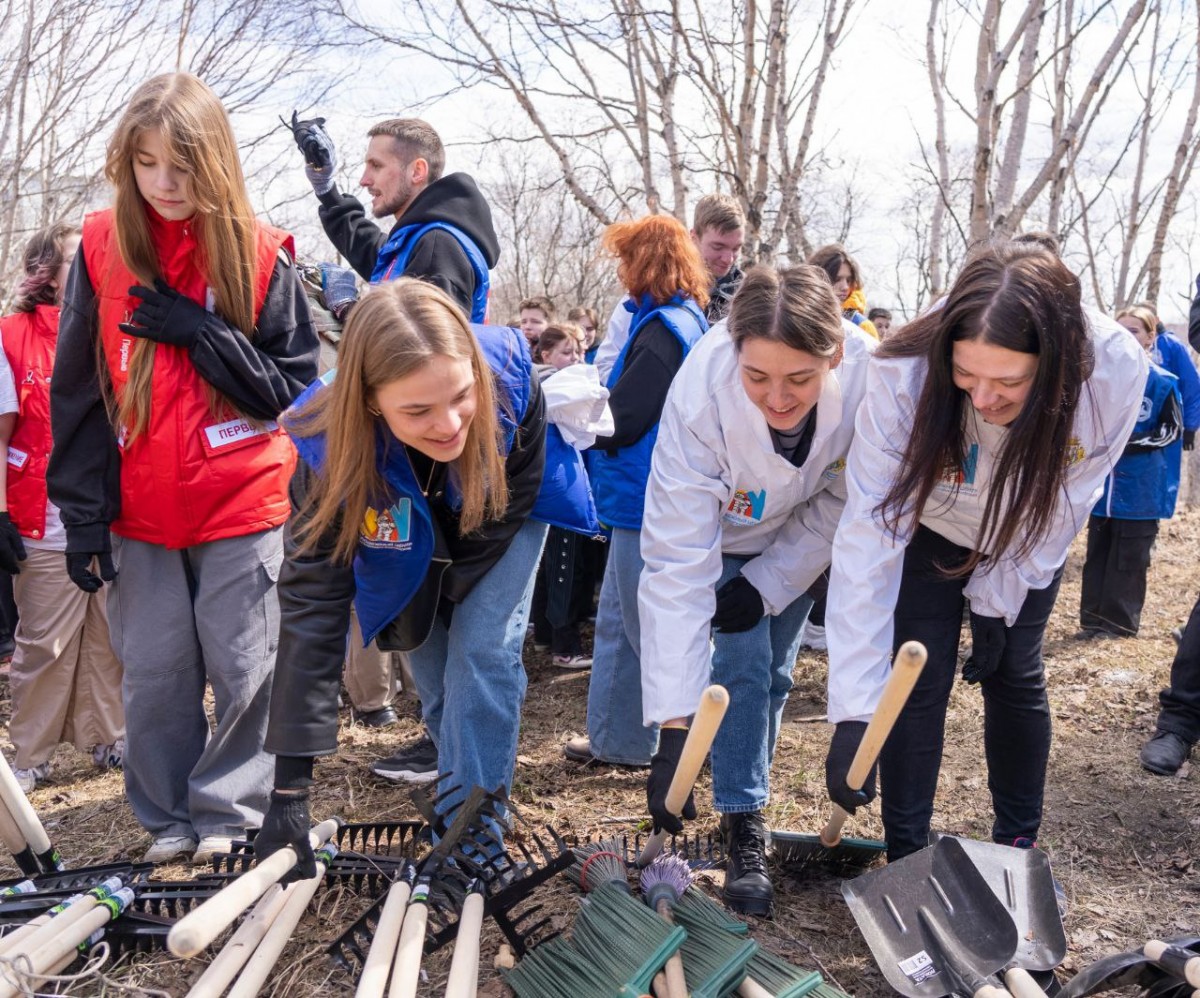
1075, 452
1145, 408
745, 507
390, 528
833, 469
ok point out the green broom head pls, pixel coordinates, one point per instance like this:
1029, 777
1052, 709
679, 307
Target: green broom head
665, 879
783, 979
792, 849
623, 937
714, 960
700, 907
829, 991
555, 969
599, 863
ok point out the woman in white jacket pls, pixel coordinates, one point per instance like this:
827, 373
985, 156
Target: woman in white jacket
989, 427
743, 500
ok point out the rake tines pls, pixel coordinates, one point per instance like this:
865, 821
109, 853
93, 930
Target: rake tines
383, 838
86, 876
175, 898
366, 873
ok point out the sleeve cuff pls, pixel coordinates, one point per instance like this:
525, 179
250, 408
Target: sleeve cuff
331, 198
293, 772
88, 538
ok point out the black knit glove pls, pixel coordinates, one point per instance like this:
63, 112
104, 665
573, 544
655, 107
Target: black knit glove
12, 548
79, 569
846, 738
287, 823
989, 635
1189, 439
739, 606
662, 770
165, 315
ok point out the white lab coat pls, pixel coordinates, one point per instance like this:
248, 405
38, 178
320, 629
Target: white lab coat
716, 487
615, 335
868, 561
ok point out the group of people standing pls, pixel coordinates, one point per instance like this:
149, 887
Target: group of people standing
740, 438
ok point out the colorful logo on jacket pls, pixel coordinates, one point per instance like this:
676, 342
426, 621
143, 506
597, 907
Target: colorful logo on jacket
961, 477
388, 529
1145, 408
745, 507
1075, 452
833, 469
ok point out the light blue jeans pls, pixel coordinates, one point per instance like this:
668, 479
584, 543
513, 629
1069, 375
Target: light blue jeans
755, 666
470, 676
614, 718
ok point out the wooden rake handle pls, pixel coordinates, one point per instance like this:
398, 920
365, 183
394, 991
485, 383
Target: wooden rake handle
714, 701
25, 818
906, 669
463, 981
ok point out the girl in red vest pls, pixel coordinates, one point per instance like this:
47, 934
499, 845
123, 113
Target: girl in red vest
185, 332
66, 682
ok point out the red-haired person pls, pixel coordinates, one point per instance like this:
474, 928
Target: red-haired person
667, 285
185, 333
66, 682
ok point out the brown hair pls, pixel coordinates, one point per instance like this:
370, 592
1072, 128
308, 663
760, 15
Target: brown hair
197, 136
538, 301
580, 312
391, 333
657, 257
1039, 237
718, 211
794, 306
1144, 315
553, 335
41, 260
415, 139
1020, 297
830, 259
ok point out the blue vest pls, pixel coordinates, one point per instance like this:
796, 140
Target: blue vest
395, 253
1144, 485
397, 536
619, 478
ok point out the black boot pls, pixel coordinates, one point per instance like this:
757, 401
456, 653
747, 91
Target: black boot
1165, 753
748, 889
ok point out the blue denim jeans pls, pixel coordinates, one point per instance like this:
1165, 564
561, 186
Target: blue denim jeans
755, 666
614, 718
470, 676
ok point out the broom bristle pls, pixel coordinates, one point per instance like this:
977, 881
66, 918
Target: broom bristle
798, 851
666, 878
598, 863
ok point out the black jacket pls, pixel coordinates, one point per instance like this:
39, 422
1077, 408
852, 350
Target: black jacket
1194, 319
437, 257
261, 377
315, 592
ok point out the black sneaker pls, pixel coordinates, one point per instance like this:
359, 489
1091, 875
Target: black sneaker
414, 763
748, 889
1165, 753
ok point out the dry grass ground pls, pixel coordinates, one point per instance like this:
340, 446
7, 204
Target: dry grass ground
1124, 843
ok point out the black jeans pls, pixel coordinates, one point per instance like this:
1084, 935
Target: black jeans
1016, 713
1181, 700
1114, 574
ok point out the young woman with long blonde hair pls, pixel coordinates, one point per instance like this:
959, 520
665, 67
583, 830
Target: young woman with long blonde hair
185, 333
424, 474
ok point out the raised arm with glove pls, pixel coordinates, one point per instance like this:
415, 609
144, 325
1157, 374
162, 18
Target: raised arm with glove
320, 155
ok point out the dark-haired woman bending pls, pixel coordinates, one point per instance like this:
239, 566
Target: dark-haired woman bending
988, 428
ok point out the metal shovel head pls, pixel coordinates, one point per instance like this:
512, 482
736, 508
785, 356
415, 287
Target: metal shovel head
1021, 881
940, 885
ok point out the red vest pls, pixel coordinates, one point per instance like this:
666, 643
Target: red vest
29, 341
192, 476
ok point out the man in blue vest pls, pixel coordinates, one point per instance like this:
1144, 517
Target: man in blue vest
443, 231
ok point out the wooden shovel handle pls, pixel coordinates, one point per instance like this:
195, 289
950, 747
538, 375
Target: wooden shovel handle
1021, 984
991, 991
1177, 957
714, 701
906, 670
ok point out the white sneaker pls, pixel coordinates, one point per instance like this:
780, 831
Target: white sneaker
814, 638
27, 779
211, 845
169, 847
109, 756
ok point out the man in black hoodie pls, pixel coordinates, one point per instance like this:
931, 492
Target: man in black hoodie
443, 232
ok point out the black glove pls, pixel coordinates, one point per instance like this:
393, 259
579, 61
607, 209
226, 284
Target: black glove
1189, 439
320, 155
79, 568
989, 635
662, 770
739, 606
846, 738
287, 823
165, 315
12, 548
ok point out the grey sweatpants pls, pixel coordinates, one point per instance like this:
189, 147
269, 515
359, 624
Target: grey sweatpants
179, 619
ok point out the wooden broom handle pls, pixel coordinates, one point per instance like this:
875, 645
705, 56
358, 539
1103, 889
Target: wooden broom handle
463, 981
906, 670
1189, 964
714, 701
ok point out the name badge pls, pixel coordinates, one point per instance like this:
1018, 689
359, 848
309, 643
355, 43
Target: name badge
17, 458
235, 431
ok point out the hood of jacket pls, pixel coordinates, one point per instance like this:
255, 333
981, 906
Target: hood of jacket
456, 199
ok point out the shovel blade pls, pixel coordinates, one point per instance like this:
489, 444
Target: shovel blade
944, 883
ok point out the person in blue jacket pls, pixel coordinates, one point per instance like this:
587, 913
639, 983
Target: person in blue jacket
1140, 491
424, 470
1173, 355
667, 285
